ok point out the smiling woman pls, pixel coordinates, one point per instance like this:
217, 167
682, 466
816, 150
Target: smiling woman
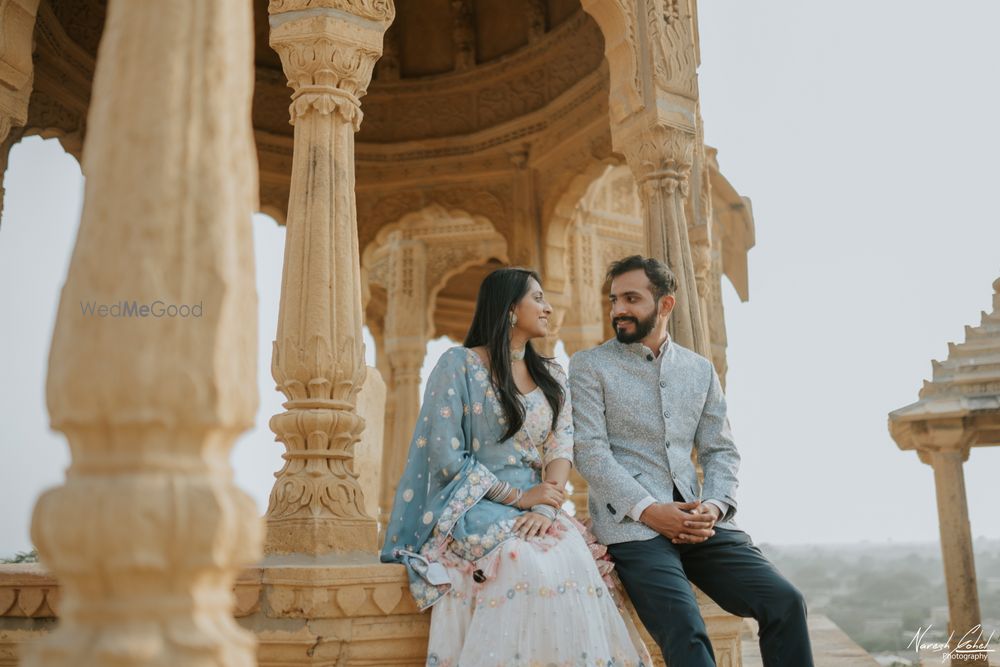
510, 311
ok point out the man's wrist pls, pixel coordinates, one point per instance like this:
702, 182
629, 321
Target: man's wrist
718, 510
636, 512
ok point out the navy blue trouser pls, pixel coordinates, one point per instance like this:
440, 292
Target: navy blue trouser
731, 571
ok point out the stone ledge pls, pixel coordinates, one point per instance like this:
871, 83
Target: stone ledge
831, 646
314, 611
349, 610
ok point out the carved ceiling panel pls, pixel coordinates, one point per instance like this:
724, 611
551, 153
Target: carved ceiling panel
459, 104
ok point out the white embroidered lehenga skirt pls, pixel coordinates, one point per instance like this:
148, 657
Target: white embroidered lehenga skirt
543, 602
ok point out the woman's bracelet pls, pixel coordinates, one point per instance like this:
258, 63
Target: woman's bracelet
499, 491
505, 494
547, 511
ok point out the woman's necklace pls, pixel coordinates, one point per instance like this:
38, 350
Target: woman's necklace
516, 354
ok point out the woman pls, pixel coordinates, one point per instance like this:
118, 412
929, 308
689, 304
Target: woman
476, 517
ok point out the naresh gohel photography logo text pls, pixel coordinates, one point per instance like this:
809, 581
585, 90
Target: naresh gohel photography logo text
157, 309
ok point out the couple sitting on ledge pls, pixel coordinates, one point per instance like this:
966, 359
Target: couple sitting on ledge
515, 582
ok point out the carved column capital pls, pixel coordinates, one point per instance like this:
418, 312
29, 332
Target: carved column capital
382, 11
660, 154
328, 58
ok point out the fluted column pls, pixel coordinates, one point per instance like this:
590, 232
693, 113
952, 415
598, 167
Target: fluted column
328, 55
660, 158
699, 214
406, 335
148, 531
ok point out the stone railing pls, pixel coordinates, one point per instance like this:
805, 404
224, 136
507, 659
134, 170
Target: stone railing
305, 613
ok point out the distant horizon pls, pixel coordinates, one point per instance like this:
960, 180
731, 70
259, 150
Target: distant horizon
979, 544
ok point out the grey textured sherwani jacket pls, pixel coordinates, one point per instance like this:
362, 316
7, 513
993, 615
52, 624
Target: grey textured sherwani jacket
636, 422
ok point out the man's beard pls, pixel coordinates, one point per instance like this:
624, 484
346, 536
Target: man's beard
642, 328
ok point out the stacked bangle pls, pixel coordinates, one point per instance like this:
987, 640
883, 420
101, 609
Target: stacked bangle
504, 493
547, 511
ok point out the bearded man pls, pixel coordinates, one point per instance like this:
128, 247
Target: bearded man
641, 405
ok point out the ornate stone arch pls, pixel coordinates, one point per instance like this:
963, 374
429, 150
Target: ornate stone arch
605, 225
446, 242
407, 264
556, 232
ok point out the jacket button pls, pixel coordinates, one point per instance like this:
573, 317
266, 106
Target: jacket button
666, 414
611, 509
649, 357
663, 383
479, 576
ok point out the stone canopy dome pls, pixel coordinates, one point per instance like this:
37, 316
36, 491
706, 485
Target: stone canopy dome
451, 71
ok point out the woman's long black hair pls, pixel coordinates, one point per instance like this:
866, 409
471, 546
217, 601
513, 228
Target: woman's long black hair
498, 295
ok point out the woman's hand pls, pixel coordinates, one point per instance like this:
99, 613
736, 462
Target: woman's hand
530, 524
546, 493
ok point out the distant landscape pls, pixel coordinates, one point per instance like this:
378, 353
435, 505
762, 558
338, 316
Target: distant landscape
882, 594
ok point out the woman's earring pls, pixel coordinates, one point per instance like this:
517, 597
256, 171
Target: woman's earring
513, 319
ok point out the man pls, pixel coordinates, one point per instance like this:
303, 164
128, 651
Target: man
641, 403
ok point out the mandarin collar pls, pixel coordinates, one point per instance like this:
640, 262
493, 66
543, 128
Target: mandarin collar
641, 350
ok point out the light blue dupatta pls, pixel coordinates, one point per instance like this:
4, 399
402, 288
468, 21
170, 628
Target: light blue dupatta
454, 459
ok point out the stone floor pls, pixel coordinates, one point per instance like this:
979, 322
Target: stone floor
831, 647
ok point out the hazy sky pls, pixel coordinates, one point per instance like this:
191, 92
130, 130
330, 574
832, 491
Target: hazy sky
866, 135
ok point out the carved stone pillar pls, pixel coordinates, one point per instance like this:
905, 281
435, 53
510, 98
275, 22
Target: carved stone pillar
327, 54
406, 335
699, 215
956, 535
652, 55
148, 531
956, 541
650, 47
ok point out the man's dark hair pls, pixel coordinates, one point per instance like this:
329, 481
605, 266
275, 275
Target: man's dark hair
660, 276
